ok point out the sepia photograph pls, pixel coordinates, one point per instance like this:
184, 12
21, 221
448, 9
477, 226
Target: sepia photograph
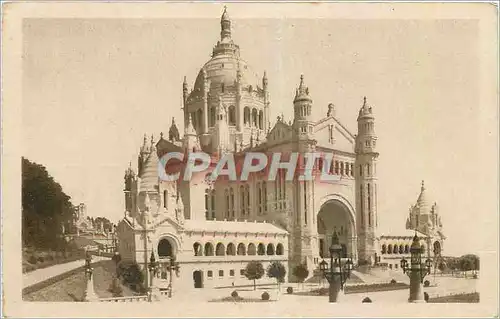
249, 159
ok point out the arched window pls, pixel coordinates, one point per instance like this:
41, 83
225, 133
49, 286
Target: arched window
384, 249
220, 250
199, 116
389, 249
246, 116
209, 249
261, 120
197, 249
226, 195
165, 248
395, 249
279, 250
230, 250
422, 247
401, 249
264, 191
270, 249
254, 117
212, 116
232, 115
407, 249
231, 202
242, 200
261, 249
241, 249
247, 197
251, 250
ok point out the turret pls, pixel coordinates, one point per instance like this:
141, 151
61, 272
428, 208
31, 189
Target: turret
173, 132
302, 105
265, 87
191, 141
366, 183
185, 93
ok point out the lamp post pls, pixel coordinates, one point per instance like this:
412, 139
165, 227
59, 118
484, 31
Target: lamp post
89, 293
153, 269
416, 270
172, 266
338, 273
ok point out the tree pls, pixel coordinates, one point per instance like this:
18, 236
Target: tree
301, 272
277, 270
45, 208
468, 262
253, 271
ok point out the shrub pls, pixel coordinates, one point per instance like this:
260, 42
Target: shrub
115, 288
131, 274
301, 272
234, 294
426, 296
289, 290
32, 260
323, 291
366, 299
474, 276
427, 283
40, 259
49, 257
265, 296
393, 281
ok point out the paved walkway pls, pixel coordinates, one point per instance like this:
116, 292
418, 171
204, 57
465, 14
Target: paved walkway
43, 274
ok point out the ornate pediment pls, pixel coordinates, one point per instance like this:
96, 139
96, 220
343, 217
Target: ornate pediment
330, 133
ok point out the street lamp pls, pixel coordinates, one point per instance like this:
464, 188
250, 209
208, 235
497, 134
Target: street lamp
338, 273
416, 270
172, 266
153, 268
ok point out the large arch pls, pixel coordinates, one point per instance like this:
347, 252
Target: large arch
336, 215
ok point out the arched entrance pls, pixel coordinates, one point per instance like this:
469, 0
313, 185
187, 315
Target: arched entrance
198, 278
334, 216
165, 248
437, 248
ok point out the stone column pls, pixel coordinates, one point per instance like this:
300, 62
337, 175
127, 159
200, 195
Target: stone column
334, 289
89, 294
416, 287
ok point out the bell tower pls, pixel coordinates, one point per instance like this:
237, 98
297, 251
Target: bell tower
366, 183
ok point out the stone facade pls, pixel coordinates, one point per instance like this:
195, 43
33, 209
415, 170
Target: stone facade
227, 111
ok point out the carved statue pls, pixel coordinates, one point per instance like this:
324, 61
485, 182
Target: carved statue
330, 110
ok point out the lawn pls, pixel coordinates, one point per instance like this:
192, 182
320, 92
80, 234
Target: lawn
73, 287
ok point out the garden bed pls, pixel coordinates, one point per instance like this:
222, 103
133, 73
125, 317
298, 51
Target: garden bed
457, 298
357, 289
239, 299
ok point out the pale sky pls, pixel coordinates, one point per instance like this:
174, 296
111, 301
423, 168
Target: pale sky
92, 88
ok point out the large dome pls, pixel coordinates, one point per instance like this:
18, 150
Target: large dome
225, 62
223, 69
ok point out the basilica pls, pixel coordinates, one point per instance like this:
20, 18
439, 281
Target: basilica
213, 228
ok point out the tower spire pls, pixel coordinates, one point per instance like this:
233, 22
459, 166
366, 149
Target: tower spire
225, 24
